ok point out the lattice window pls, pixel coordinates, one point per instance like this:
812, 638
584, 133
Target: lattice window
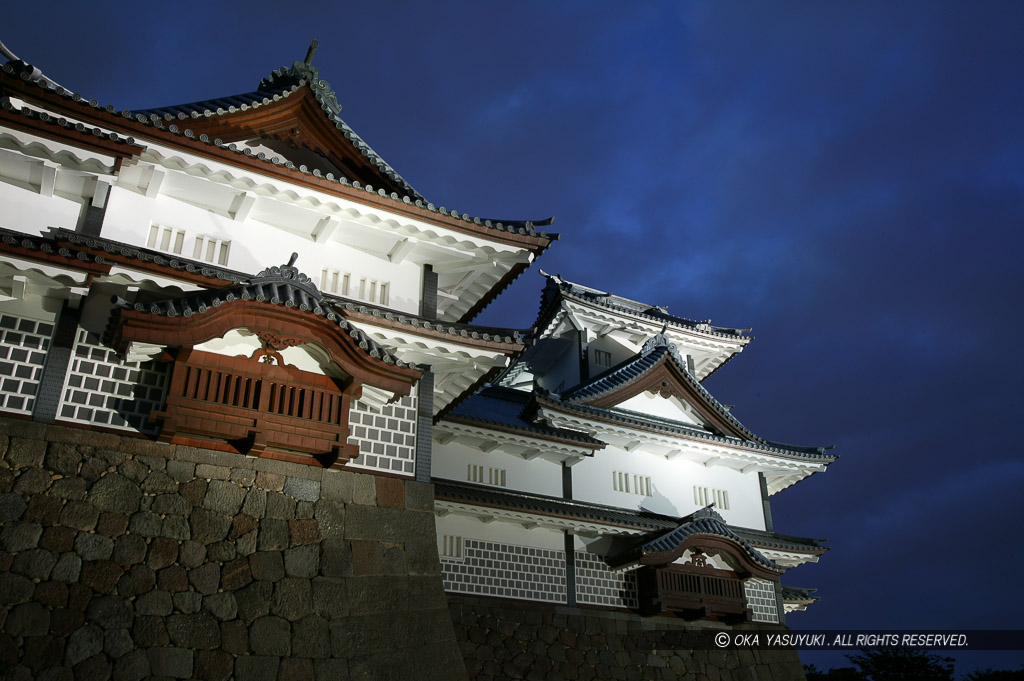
211, 250
451, 547
23, 346
167, 239
602, 358
507, 570
333, 281
761, 599
485, 475
702, 496
102, 390
631, 483
387, 437
352, 286
597, 584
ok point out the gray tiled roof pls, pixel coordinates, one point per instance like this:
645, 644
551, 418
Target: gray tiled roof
784, 542
669, 427
497, 406
795, 594
652, 352
471, 331
557, 288
147, 256
283, 285
460, 492
445, 490
158, 118
65, 123
282, 83
704, 522
48, 243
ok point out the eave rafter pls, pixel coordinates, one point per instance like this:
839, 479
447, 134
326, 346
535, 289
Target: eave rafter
451, 430
458, 362
179, 135
488, 514
777, 469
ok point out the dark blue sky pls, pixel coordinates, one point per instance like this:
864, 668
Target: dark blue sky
845, 178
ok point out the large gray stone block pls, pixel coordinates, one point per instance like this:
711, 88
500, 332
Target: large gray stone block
198, 631
387, 524
224, 497
93, 546
115, 493
257, 667
270, 635
83, 642
293, 598
302, 489
174, 662
12, 507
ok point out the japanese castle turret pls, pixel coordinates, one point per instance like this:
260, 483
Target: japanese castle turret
246, 282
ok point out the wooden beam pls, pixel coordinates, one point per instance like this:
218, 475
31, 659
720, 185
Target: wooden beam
153, 177
241, 205
401, 250
325, 229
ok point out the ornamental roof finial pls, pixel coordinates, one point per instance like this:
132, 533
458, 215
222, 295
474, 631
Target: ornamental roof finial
311, 51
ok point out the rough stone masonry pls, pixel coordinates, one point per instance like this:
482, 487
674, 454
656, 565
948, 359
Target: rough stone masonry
127, 559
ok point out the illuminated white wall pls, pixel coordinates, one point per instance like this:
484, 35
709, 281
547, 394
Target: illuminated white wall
451, 461
256, 245
672, 483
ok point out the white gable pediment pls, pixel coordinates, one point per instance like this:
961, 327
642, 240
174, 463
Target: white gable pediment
671, 407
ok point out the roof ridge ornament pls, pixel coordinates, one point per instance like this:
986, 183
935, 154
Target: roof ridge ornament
708, 512
313, 45
305, 71
288, 274
659, 340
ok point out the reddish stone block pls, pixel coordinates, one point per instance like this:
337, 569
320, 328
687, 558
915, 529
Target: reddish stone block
79, 596
43, 510
303, 532
173, 579
57, 539
366, 558
100, 575
390, 492
51, 594
112, 524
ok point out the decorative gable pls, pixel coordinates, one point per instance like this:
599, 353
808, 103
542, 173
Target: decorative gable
658, 370
258, 401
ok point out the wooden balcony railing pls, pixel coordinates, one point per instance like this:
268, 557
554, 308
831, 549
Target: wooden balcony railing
692, 593
254, 405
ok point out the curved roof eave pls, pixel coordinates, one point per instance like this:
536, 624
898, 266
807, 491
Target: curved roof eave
22, 74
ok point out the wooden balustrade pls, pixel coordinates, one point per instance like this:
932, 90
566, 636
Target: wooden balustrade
254, 405
692, 592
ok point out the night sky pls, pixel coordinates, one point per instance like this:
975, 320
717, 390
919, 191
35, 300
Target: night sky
845, 178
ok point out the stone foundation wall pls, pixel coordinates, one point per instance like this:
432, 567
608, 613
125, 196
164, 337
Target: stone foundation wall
523, 640
129, 559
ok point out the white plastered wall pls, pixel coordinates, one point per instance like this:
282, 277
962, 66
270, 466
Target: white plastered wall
656, 405
672, 482
256, 245
451, 461
498, 531
29, 211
